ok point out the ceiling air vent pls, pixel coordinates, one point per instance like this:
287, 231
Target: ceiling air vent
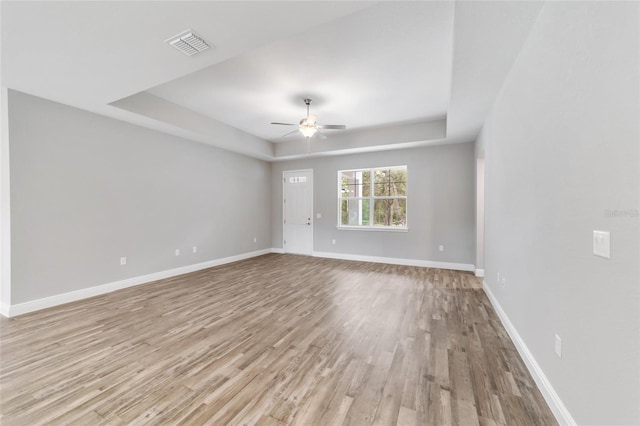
188, 43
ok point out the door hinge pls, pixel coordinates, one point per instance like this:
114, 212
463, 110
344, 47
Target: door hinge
285, 241
285, 221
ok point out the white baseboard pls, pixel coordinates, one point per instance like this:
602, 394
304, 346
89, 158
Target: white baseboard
60, 299
548, 392
4, 309
396, 261
72, 296
479, 272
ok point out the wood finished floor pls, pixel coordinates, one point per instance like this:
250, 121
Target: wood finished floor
277, 339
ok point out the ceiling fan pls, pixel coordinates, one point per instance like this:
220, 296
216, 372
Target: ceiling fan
309, 127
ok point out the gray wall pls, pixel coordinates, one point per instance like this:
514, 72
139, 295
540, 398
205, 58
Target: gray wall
440, 204
561, 147
86, 190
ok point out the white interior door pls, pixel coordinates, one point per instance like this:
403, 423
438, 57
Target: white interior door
297, 215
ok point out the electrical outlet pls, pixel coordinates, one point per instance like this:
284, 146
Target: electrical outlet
318, 215
441, 247
123, 261
195, 249
255, 240
558, 346
333, 242
177, 252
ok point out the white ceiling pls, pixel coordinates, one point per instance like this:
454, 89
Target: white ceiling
369, 65
488, 37
387, 64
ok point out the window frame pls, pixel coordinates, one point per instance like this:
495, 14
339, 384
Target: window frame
372, 198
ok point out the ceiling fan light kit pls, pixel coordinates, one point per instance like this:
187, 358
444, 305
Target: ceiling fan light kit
309, 127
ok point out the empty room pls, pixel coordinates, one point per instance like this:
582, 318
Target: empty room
320, 213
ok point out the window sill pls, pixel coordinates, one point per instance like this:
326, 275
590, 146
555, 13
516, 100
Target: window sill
371, 228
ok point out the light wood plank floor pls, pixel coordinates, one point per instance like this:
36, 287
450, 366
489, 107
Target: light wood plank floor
277, 339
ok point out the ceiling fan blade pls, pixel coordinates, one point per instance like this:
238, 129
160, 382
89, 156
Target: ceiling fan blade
285, 124
320, 135
332, 126
290, 133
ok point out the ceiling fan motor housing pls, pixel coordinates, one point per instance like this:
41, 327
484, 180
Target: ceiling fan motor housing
308, 125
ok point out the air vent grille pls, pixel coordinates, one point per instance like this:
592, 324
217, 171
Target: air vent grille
188, 43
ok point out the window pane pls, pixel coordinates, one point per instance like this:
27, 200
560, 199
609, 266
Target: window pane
297, 179
398, 175
355, 177
366, 183
390, 212
351, 191
365, 177
381, 176
398, 188
347, 177
354, 212
381, 190
398, 182
355, 183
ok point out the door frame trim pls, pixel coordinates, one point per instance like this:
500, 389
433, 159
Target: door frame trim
284, 249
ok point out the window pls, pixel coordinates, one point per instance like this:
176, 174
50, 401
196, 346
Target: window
297, 179
373, 198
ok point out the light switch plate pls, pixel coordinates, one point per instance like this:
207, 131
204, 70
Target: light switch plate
602, 244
